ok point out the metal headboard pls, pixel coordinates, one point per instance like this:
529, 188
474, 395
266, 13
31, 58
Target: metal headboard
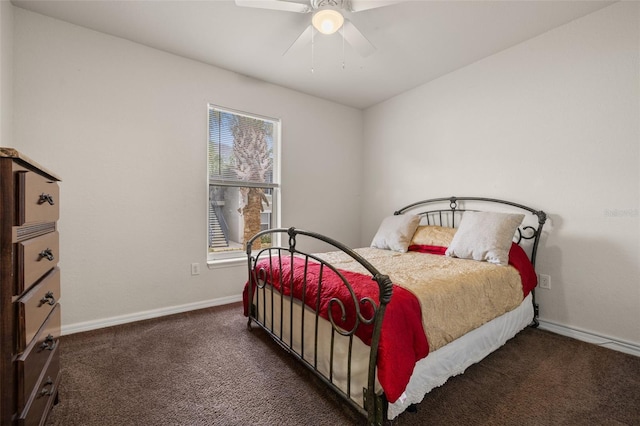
451, 216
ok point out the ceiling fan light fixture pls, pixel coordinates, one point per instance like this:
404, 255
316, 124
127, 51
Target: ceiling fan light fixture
327, 21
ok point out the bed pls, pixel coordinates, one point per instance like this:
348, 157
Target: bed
445, 282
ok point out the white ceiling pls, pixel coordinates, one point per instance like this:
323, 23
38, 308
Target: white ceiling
416, 40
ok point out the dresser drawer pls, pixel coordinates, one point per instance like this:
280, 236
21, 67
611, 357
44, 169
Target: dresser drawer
34, 358
38, 199
34, 307
44, 394
36, 257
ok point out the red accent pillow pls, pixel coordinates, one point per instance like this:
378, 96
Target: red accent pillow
428, 249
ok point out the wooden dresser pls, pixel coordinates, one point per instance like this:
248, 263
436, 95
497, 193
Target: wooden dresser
29, 290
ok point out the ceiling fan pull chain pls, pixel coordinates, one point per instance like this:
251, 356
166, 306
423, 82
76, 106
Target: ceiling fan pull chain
312, 47
343, 60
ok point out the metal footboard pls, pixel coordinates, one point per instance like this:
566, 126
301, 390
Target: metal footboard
267, 307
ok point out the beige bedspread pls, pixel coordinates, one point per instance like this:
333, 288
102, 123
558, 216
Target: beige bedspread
456, 295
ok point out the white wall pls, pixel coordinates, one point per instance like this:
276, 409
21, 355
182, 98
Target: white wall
6, 73
552, 123
125, 126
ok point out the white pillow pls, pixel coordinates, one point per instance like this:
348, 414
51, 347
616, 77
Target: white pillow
395, 232
485, 236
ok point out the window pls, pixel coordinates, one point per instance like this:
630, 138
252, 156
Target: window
243, 180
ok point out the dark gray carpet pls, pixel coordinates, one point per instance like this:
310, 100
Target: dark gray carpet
206, 368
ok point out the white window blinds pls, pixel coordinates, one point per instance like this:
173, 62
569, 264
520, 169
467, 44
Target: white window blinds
241, 149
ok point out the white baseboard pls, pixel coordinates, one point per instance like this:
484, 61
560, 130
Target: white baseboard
139, 316
590, 337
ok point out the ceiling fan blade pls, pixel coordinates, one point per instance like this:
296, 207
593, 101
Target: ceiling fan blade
358, 5
302, 40
358, 41
287, 6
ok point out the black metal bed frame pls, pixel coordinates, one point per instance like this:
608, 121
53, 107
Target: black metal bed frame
375, 405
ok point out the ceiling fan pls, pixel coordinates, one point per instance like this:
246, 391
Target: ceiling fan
327, 18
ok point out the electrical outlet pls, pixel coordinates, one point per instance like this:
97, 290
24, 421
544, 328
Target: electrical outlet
195, 269
544, 281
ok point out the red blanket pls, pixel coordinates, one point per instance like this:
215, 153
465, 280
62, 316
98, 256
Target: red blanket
402, 340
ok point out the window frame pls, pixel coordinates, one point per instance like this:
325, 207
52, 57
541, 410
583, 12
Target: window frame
226, 257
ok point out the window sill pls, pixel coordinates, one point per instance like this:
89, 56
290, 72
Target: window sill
227, 263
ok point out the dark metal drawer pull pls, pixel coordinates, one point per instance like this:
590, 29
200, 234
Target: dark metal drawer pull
46, 198
45, 391
48, 299
46, 253
49, 343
